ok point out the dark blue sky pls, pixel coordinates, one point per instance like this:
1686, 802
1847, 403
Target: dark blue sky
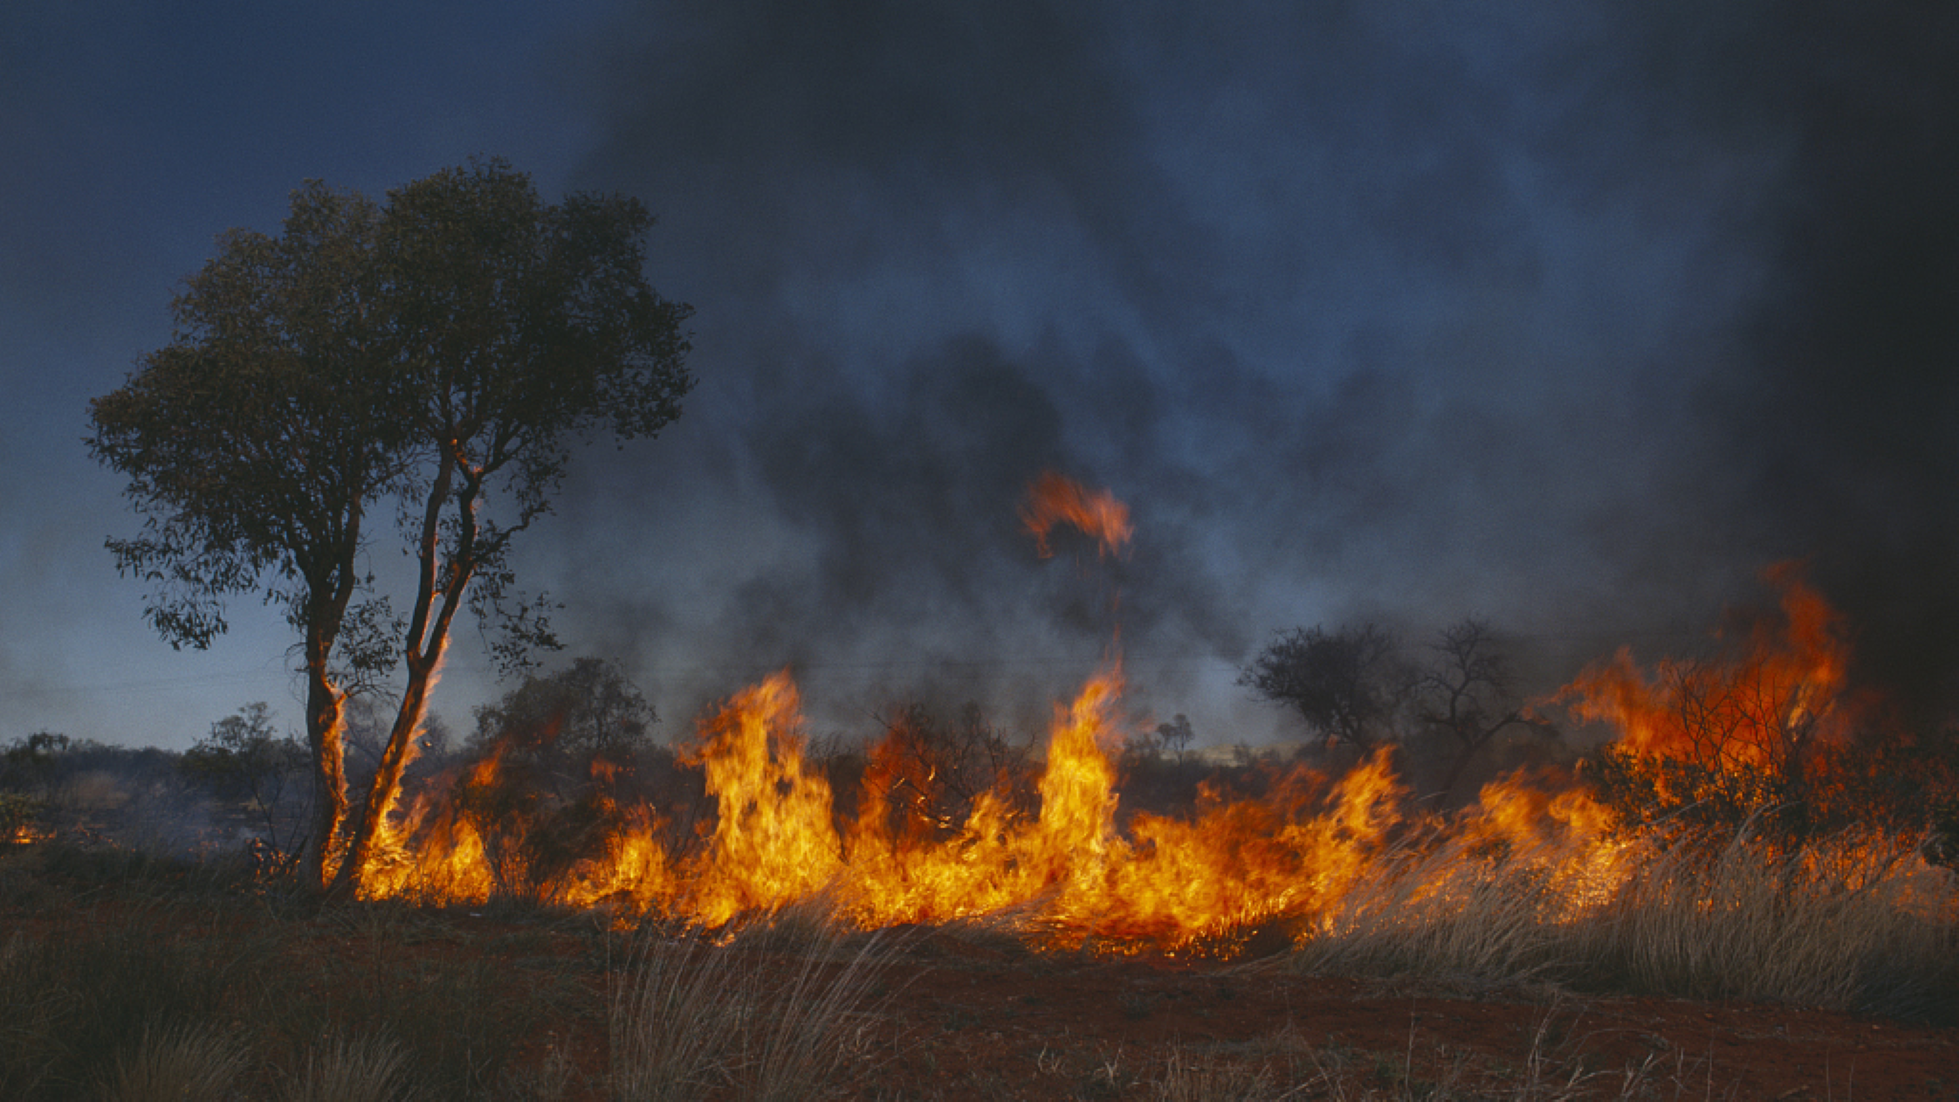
1570, 315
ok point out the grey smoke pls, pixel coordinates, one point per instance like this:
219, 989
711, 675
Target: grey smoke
1572, 316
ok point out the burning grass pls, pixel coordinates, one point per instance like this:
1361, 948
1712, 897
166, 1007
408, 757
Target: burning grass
1721, 848
1535, 881
1855, 922
1731, 842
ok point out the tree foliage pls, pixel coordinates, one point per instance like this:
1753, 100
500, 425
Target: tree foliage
587, 708
243, 753
1346, 685
255, 440
244, 758
440, 356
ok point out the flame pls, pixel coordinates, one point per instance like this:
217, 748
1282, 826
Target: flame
1303, 854
26, 834
773, 841
1313, 857
1055, 499
1766, 714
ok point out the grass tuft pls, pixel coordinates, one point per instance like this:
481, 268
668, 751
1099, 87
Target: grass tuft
363, 1069
689, 1016
181, 1063
1857, 923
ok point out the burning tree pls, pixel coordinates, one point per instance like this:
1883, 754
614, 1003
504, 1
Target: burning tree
439, 353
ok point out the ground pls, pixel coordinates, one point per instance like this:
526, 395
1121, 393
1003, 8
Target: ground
1009, 1026
958, 1015
968, 1013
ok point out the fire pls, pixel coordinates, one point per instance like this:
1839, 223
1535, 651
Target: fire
1310, 856
26, 834
1752, 730
1055, 499
1760, 712
773, 842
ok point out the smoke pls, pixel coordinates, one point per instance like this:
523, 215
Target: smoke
1572, 316
1848, 409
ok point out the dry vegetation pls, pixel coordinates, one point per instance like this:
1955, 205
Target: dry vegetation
128, 976
1749, 893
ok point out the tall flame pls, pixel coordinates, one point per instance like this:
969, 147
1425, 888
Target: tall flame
773, 842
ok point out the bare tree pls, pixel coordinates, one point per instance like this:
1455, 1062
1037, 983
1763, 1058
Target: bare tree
925, 774
1175, 736
1466, 692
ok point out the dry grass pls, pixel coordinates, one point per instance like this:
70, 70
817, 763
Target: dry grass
1857, 923
1285, 1067
181, 1063
693, 1016
364, 1069
180, 987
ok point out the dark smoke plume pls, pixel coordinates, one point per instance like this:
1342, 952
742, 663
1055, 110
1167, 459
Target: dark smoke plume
1573, 316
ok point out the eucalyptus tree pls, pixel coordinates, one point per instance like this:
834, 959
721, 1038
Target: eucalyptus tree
442, 356
257, 442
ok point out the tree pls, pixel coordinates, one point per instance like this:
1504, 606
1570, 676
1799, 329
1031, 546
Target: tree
34, 762
255, 444
244, 758
1465, 692
586, 709
1176, 735
1347, 685
442, 353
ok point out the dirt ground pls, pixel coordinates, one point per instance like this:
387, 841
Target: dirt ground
965, 1018
958, 1016
987, 1024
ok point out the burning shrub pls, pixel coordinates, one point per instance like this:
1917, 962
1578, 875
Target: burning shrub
921, 780
548, 791
1766, 731
17, 814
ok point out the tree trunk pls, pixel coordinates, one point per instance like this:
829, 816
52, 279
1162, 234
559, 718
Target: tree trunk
427, 641
329, 773
370, 831
1465, 754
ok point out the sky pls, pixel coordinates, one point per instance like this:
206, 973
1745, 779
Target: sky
1572, 316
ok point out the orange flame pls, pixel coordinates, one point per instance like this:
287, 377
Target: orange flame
1762, 712
1308, 857
773, 842
1054, 499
